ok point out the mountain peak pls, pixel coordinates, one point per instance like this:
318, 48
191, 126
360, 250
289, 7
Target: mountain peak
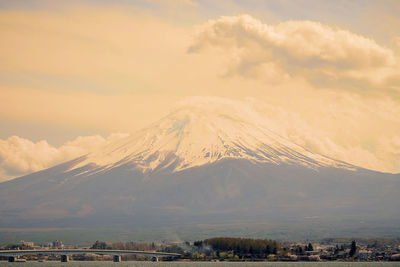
203, 130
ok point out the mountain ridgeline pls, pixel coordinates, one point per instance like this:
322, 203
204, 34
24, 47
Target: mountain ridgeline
203, 163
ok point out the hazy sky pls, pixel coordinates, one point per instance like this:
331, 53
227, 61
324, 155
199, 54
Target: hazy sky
76, 74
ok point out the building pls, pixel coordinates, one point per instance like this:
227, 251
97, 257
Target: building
27, 243
56, 244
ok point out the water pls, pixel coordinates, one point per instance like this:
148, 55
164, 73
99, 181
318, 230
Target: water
200, 264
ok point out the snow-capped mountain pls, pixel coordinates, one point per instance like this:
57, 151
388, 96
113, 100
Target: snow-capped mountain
210, 160
203, 130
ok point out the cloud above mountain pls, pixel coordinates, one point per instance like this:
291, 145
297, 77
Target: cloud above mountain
321, 53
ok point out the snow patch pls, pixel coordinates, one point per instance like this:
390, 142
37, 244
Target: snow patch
203, 130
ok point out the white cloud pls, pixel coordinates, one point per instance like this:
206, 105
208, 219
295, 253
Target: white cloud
20, 156
309, 49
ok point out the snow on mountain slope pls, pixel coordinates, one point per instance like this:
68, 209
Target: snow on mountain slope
204, 130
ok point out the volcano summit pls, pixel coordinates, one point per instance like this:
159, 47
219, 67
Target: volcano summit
203, 131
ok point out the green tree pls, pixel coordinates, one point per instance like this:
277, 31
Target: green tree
310, 247
337, 249
99, 245
198, 243
299, 250
353, 248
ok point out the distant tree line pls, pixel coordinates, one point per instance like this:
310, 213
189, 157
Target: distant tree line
242, 246
299, 250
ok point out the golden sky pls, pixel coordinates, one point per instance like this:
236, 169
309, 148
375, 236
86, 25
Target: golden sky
76, 74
